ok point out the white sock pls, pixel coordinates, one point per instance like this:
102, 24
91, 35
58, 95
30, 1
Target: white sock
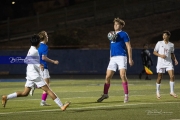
158, 88
126, 95
171, 87
13, 95
58, 102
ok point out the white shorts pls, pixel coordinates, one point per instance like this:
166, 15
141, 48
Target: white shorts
45, 74
119, 62
39, 81
162, 68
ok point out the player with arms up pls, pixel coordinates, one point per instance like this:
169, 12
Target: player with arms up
118, 58
43, 51
33, 77
164, 50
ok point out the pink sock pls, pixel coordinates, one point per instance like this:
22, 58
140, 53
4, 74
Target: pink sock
106, 88
44, 96
125, 86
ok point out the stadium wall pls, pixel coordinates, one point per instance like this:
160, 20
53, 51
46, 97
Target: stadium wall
80, 62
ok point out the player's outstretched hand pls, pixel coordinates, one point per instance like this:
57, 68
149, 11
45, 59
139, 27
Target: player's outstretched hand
56, 62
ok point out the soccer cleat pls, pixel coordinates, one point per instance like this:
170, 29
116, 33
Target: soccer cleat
43, 103
32, 90
63, 108
158, 96
104, 96
4, 100
173, 94
126, 99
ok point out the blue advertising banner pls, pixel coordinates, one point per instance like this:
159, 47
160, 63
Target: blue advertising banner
19, 60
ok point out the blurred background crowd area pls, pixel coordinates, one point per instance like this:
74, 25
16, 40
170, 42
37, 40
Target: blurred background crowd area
84, 24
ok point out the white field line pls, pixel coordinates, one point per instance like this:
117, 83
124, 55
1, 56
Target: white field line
81, 108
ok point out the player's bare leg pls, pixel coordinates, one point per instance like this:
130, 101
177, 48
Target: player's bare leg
24, 93
109, 75
124, 84
44, 95
55, 98
171, 83
158, 83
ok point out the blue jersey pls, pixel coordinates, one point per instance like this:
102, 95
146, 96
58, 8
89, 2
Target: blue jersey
118, 48
43, 50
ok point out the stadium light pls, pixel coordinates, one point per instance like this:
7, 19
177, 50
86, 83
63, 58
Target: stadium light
13, 2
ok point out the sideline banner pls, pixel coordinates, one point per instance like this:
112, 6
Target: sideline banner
19, 60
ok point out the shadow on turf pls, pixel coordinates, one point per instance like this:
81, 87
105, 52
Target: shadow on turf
103, 102
99, 102
109, 108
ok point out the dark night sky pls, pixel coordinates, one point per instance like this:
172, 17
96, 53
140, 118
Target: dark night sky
21, 8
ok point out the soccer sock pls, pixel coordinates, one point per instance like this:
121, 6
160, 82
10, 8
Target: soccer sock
58, 102
171, 87
125, 86
13, 95
106, 88
44, 96
157, 88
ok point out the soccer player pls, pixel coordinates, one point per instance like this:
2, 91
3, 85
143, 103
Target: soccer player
146, 60
43, 51
33, 77
118, 59
164, 50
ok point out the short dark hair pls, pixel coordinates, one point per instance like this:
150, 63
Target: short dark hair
167, 32
35, 40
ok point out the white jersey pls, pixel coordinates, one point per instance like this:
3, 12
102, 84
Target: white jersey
164, 49
33, 70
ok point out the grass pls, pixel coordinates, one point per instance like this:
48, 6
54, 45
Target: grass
83, 94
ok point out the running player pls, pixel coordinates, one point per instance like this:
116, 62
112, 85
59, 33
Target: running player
33, 77
164, 50
118, 59
43, 51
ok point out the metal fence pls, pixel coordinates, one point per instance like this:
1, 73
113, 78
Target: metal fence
91, 13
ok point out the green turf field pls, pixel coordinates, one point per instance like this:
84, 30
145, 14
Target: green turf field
83, 94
